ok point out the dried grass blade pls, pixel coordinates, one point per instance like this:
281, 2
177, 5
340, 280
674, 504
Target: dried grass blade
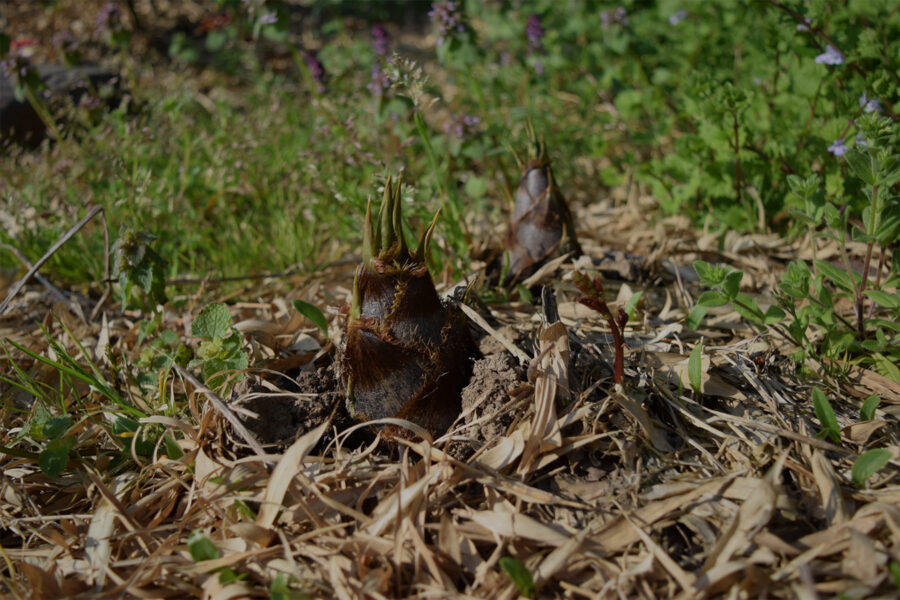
220, 406
284, 473
829, 488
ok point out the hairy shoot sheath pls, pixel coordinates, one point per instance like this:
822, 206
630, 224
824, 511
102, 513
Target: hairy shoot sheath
541, 226
405, 354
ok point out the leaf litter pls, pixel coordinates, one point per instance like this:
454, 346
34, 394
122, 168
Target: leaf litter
647, 489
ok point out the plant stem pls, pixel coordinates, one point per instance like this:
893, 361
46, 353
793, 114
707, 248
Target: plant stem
738, 172
860, 299
43, 112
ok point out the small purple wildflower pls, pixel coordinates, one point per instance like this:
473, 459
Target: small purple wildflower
64, 42
831, 56
381, 40
268, 18
90, 102
619, 16
109, 18
535, 33
869, 104
449, 19
316, 69
804, 26
463, 126
380, 81
838, 148
861, 141
678, 17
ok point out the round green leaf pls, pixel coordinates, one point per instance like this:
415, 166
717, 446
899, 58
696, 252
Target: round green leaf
214, 321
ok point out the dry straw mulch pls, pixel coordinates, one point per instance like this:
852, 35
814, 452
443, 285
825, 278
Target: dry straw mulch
648, 490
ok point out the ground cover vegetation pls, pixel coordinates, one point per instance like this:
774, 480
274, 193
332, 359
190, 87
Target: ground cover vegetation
647, 344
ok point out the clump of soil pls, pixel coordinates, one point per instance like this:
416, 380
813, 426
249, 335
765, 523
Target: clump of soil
486, 402
282, 418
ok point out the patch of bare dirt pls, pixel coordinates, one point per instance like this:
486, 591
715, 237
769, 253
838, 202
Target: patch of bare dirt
278, 418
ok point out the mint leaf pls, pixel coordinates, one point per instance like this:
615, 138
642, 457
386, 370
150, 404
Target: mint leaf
214, 321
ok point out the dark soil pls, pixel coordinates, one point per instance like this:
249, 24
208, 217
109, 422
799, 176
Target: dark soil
282, 418
487, 402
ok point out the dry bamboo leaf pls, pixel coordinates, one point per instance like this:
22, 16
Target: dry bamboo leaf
859, 433
213, 590
674, 367
861, 559
545, 271
640, 414
560, 557
284, 473
619, 533
479, 320
208, 566
753, 515
97, 543
864, 382
575, 312
829, 488
505, 452
508, 523
684, 579
396, 505
552, 364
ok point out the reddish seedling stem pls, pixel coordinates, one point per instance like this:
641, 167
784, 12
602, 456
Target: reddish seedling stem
595, 300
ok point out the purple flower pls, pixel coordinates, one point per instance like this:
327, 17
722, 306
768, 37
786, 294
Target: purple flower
619, 15
804, 26
449, 19
108, 18
64, 41
381, 40
380, 81
861, 141
838, 148
535, 33
678, 17
316, 69
463, 126
831, 56
268, 18
869, 104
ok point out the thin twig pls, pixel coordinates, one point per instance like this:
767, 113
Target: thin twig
41, 279
106, 270
34, 268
